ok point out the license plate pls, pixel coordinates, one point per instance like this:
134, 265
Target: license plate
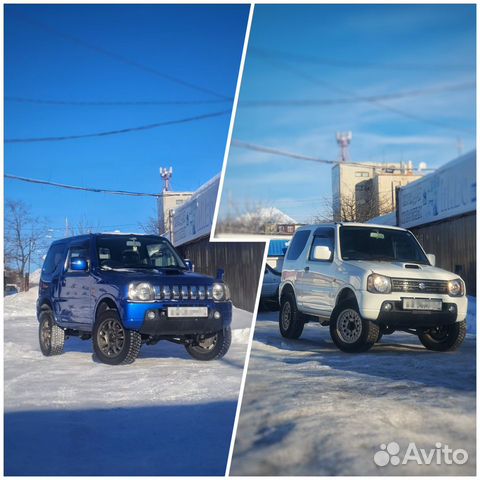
422, 304
187, 311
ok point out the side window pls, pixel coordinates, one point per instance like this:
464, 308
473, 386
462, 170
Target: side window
54, 258
322, 239
80, 250
298, 244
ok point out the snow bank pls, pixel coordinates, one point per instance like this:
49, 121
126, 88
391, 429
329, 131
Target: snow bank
166, 414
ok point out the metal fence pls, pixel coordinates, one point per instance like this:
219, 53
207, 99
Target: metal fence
453, 241
241, 262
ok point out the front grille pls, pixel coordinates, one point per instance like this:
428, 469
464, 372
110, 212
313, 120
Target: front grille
419, 286
183, 292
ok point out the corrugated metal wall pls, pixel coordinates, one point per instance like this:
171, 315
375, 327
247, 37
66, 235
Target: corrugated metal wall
242, 263
453, 242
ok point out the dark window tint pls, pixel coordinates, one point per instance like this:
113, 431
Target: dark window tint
78, 251
54, 258
323, 239
298, 244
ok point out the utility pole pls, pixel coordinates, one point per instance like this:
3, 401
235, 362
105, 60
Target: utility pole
67, 229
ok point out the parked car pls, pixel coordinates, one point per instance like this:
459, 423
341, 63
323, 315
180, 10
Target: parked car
10, 289
124, 290
364, 281
270, 284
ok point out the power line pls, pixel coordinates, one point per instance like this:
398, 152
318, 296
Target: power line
255, 103
259, 51
357, 99
107, 103
121, 58
315, 80
119, 131
85, 189
299, 156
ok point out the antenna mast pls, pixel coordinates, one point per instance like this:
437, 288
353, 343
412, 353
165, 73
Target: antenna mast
344, 139
166, 175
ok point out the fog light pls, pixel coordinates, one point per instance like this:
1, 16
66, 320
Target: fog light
388, 306
451, 308
151, 315
216, 315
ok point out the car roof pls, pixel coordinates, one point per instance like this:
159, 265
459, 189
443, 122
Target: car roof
349, 224
97, 234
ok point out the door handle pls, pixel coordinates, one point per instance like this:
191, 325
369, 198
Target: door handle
306, 269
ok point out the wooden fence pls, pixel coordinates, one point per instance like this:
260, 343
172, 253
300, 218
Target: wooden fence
241, 262
453, 241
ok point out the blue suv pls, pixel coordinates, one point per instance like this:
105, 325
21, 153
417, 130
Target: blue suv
122, 290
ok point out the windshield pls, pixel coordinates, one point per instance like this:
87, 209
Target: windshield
131, 251
382, 244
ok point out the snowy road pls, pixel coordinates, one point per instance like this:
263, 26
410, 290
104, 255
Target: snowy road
309, 409
165, 414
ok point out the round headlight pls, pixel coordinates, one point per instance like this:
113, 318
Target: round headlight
455, 288
218, 291
378, 284
141, 291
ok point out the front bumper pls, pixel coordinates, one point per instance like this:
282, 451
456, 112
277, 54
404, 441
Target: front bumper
371, 307
135, 318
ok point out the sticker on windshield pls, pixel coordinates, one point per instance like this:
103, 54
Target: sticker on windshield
377, 235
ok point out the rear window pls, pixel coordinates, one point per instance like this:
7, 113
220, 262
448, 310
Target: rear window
298, 244
54, 258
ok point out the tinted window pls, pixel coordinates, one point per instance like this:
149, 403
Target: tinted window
81, 250
298, 244
54, 258
322, 239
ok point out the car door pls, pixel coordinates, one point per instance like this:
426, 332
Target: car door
75, 287
319, 275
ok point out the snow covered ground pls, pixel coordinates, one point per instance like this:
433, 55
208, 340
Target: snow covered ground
309, 409
166, 414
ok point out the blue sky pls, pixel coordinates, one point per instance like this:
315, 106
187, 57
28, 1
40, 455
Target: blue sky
337, 51
198, 44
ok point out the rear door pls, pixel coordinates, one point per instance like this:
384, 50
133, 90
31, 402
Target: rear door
75, 287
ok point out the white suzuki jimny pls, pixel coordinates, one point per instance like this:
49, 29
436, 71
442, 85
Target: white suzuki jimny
366, 281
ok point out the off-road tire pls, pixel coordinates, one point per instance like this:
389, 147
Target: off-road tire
56, 341
130, 347
453, 336
366, 332
222, 341
290, 320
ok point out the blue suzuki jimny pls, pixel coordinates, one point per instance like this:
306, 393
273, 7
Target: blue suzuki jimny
123, 290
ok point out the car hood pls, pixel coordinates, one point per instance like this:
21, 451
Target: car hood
401, 270
168, 277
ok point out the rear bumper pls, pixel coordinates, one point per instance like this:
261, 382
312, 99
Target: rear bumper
135, 318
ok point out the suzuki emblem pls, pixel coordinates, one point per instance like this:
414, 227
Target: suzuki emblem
421, 286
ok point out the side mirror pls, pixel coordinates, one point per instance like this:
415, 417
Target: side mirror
322, 253
78, 264
190, 266
431, 259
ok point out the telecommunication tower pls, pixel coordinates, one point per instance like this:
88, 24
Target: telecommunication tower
166, 174
344, 139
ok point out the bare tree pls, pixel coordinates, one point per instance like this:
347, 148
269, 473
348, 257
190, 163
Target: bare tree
25, 237
152, 226
354, 207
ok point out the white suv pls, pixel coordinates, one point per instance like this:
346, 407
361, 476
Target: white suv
368, 280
